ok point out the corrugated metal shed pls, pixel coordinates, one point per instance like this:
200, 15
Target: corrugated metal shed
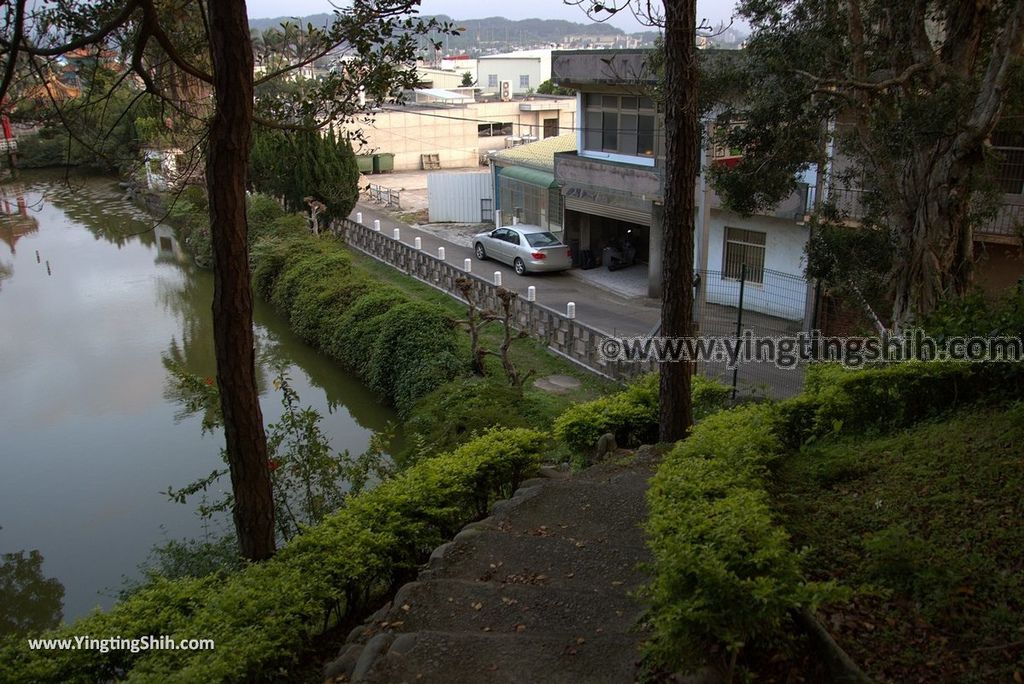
459, 197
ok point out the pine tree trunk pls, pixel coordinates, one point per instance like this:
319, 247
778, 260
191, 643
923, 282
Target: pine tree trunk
681, 153
226, 169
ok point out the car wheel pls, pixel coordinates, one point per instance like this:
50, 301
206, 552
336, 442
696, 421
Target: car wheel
520, 266
480, 253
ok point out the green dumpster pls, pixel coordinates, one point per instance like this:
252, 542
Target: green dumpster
376, 163
385, 162
365, 162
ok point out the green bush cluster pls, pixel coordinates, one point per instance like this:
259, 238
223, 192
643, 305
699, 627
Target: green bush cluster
402, 349
263, 617
891, 397
454, 413
189, 214
631, 415
725, 574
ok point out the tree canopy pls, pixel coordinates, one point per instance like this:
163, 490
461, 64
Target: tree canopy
907, 94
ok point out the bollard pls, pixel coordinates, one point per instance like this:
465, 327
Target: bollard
515, 220
376, 225
397, 234
570, 310
440, 253
531, 294
418, 243
359, 217
468, 265
497, 278
497, 218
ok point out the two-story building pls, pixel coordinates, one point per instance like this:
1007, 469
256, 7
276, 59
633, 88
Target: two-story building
523, 70
613, 190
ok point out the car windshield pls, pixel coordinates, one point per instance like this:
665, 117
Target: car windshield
541, 239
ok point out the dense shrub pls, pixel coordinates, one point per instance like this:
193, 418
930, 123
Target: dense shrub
978, 313
402, 349
725, 574
457, 411
886, 398
631, 415
413, 353
263, 617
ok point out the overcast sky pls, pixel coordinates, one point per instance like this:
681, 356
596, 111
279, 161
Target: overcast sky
712, 10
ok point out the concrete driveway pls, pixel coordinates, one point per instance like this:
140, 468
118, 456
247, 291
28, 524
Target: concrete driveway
595, 307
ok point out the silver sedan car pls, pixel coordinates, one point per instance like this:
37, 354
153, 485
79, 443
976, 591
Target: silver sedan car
527, 249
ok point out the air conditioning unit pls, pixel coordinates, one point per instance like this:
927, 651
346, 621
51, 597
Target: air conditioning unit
505, 90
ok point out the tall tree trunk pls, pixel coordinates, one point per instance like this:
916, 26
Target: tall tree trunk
935, 236
226, 168
681, 152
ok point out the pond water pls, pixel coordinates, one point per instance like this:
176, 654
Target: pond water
95, 300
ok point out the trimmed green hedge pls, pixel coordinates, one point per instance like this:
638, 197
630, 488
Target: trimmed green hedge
263, 617
886, 398
632, 415
401, 349
725, 573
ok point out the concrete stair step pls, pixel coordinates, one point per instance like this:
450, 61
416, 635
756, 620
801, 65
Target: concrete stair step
541, 560
437, 657
491, 607
587, 510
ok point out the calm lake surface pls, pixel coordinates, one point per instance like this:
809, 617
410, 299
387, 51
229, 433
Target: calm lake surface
93, 302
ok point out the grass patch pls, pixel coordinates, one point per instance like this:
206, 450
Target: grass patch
927, 524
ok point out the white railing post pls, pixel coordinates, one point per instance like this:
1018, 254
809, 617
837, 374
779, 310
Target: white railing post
418, 243
497, 278
467, 265
531, 294
570, 310
376, 225
397, 234
359, 217
440, 253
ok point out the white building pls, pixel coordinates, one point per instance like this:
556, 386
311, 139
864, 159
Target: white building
524, 70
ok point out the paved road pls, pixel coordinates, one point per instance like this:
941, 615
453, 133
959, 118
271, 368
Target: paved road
596, 307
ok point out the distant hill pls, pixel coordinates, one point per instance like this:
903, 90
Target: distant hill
484, 34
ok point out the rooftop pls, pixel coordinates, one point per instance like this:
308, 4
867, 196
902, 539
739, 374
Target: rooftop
519, 54
538, 155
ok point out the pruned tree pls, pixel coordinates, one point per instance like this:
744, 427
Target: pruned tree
914, 90
169, 47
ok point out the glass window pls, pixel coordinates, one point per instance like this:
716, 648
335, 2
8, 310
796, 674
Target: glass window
645, 135
621, 125
610, 131
492, 80
524, 81
744, 248
541, 239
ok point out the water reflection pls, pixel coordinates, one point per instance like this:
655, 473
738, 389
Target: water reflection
89, 441
29, 602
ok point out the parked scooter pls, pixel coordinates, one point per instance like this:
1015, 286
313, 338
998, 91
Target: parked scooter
621, 254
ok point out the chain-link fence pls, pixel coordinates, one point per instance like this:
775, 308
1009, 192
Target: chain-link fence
765, 302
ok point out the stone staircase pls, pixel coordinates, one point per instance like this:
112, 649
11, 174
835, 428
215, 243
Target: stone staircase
541, 591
